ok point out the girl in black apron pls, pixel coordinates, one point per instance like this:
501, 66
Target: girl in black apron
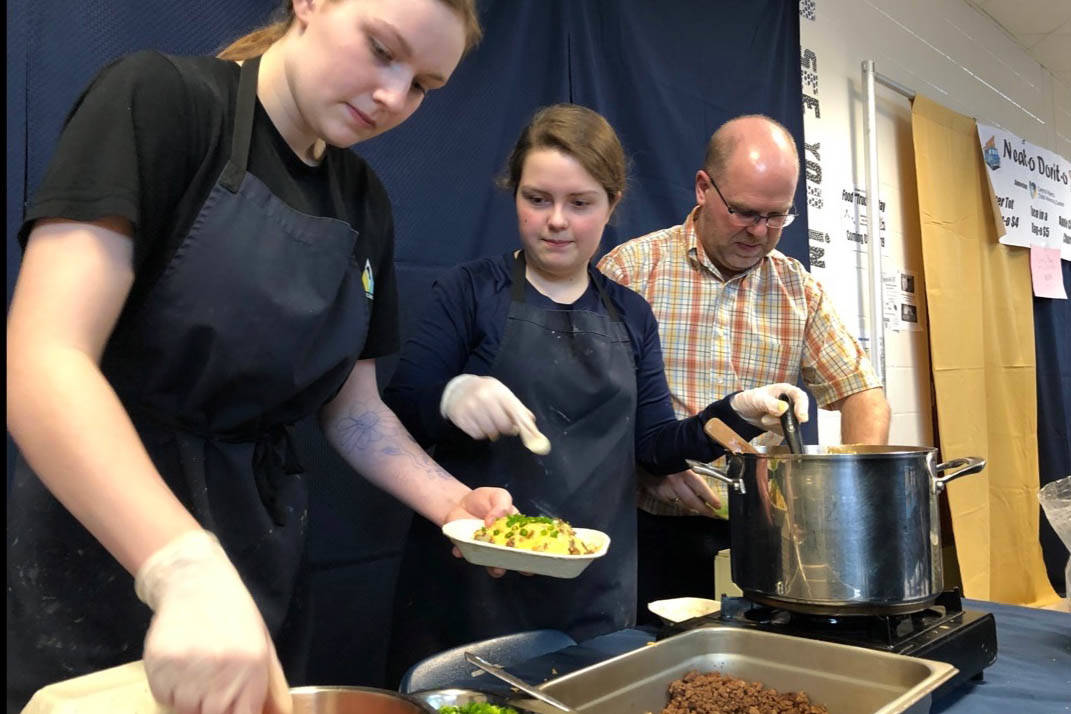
155, 381
538, 338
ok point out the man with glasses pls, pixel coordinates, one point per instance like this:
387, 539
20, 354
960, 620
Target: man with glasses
735, 313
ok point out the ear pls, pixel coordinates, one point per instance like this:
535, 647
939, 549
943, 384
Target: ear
613, 203
304, 9
701, 188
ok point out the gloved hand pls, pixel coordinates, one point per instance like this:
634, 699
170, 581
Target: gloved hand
207, 650
762, 407
685, 489
484, 408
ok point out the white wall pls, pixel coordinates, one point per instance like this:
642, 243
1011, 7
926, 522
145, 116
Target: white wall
955, 55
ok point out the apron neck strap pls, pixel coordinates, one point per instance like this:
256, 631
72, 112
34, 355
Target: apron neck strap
242, 135
519, 281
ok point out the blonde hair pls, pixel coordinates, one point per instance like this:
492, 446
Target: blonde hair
255, 43
578, 132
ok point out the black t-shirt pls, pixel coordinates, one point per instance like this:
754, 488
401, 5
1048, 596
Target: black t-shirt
149, 138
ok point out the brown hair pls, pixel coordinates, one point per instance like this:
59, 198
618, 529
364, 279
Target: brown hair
578, 132
723, 142
259, 40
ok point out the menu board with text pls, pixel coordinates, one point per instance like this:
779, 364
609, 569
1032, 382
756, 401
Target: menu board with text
1033, 189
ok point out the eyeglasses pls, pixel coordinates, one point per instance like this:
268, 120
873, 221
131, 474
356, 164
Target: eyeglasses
775, 221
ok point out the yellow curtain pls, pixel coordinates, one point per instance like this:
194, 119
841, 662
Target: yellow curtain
981, 322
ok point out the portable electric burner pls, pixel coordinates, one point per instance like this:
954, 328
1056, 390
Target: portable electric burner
945, 632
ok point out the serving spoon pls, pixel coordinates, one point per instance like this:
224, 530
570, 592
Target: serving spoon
790, 425
532, 438
722, 433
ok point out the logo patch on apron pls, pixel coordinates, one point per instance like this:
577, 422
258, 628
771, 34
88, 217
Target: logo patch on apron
368, 281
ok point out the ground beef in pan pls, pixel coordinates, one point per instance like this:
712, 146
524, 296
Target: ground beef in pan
717, 693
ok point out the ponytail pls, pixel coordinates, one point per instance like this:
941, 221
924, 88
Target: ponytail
259, 40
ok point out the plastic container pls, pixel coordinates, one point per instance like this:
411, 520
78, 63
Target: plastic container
1055, 500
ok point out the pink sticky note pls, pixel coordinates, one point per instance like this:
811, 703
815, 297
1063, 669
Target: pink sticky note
1047, 273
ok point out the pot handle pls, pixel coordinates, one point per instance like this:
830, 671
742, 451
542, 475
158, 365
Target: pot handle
970, 464
700, 468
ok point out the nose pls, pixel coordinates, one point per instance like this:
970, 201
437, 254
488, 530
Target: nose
393, 91
759, 228
557, 220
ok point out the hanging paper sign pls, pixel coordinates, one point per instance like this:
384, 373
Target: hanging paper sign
1033, 190
1046, 274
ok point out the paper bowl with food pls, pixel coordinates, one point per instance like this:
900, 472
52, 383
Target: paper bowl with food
530, 544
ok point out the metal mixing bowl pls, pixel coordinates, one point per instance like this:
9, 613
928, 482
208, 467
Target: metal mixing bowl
436, 698
355, 700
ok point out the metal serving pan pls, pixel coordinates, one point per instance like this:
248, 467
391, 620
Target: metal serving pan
842, 678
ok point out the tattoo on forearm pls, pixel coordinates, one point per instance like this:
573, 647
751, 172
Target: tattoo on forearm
371, 432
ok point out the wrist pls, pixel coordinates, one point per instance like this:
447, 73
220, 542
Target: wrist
725, 409
449, 390
455, 496
182, 555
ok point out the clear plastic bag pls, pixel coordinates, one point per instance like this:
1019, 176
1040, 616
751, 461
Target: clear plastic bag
1055, 500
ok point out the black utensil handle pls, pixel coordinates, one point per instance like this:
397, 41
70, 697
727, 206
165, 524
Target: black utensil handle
791, 426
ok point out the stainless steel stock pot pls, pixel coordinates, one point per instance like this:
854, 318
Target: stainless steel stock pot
838, 529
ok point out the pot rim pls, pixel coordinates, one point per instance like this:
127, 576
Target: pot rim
866, 451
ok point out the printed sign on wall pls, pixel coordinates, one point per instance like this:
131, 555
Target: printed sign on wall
900, 302
1033, 188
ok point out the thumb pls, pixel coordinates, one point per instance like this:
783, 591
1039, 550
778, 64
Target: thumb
799, 401
279, 699
501, 504
769, 403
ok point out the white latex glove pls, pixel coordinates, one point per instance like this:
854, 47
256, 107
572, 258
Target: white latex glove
762, 406
207, 650
484, 408
685, 489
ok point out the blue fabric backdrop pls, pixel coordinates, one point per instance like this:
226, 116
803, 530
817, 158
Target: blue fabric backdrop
665, 74
1052, 342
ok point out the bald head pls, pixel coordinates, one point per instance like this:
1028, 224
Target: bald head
751, 171
754, 143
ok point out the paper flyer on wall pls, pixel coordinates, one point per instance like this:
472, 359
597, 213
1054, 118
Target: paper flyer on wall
1033, 188
854, 221
899, 301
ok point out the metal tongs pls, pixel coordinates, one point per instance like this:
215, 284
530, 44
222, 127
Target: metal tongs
497, 671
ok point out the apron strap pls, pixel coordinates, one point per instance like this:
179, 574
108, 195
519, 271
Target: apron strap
241, 138
275, 457
275, 461
519, 281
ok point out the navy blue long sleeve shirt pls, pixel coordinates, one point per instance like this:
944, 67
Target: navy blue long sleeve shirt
461, 331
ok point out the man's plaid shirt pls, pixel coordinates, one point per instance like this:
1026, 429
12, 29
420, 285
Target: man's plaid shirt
771, 323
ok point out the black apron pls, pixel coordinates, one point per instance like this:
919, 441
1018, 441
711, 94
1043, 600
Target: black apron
575, 370
256, 322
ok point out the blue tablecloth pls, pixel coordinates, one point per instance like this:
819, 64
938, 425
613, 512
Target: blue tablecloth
1032, 674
